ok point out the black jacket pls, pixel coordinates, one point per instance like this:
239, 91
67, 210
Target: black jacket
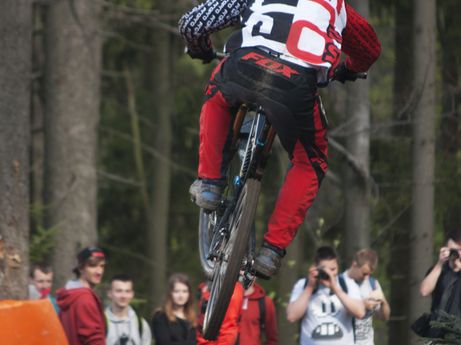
179, 332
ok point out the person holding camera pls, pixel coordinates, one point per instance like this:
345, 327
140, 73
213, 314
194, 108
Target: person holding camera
364, 264
326, 303
124, 325
443, 281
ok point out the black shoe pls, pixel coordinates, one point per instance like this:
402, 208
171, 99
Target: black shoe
268, 261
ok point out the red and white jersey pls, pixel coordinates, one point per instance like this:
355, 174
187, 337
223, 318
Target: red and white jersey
310, 33
305, 32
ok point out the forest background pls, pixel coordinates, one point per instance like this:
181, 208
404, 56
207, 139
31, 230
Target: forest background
99, 134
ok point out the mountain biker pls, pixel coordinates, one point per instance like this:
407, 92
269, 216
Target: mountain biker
282, 51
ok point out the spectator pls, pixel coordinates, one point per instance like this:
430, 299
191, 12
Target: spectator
81, 315
41, 279
175, 321
326, 302
124, 326
444, 280
258, 319
364, 264
229, 330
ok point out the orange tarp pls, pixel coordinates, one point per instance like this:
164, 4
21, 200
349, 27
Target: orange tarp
30, 323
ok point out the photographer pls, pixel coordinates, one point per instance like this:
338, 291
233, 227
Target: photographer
326, 303
364, 264
444, 279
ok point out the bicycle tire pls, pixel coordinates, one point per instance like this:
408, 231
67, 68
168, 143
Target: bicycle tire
226, 274
207, 221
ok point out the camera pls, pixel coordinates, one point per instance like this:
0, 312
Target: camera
454, 254
322, 274
124, 339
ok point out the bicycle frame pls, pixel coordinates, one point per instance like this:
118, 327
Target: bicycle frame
264, 138
227, 236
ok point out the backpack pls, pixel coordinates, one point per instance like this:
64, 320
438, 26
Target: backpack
372, 282
262, 314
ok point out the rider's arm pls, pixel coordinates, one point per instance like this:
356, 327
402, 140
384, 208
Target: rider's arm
360, 42
196, 25
428, 284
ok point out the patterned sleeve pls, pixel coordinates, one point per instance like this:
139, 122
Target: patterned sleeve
213, 15
360, 42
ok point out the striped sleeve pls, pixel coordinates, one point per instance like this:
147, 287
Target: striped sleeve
196, 25
360, 42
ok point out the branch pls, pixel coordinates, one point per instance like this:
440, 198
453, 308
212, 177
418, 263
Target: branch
148, 18
118, 178
153, 152
356, 166
139, 46
136, 132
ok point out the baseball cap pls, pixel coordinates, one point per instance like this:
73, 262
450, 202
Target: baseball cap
87, 253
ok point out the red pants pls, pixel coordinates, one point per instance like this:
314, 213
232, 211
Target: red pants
302, 180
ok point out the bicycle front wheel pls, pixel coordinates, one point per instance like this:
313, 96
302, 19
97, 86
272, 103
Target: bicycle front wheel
207, 224
227, 268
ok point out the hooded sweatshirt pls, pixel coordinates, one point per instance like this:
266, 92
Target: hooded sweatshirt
250, 324
230, 326
127, 327
81, 315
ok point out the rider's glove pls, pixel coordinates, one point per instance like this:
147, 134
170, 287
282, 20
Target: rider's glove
343, 74
205, 56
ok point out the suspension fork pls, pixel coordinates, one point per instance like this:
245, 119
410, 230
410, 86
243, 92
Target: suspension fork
264, 146
239, 117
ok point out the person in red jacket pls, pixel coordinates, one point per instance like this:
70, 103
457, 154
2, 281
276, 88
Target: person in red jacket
81, 312
230, 327
258, 319
282, 51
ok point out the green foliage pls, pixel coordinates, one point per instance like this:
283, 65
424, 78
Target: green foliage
41, 244
122, 222
451, 327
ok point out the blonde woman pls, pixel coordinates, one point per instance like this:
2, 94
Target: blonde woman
174, 323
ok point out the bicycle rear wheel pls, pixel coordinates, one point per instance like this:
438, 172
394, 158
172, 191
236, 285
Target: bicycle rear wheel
227, 268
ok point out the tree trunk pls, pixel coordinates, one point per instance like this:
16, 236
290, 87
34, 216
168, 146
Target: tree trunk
73, 68
398, 271
398, 267
356, 189
158, 227
15, 74
291, 264
37, 122
422, 213
449, 135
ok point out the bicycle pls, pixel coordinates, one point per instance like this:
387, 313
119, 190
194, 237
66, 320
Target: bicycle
226, 235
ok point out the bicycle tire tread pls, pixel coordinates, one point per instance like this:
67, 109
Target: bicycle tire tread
241, 237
